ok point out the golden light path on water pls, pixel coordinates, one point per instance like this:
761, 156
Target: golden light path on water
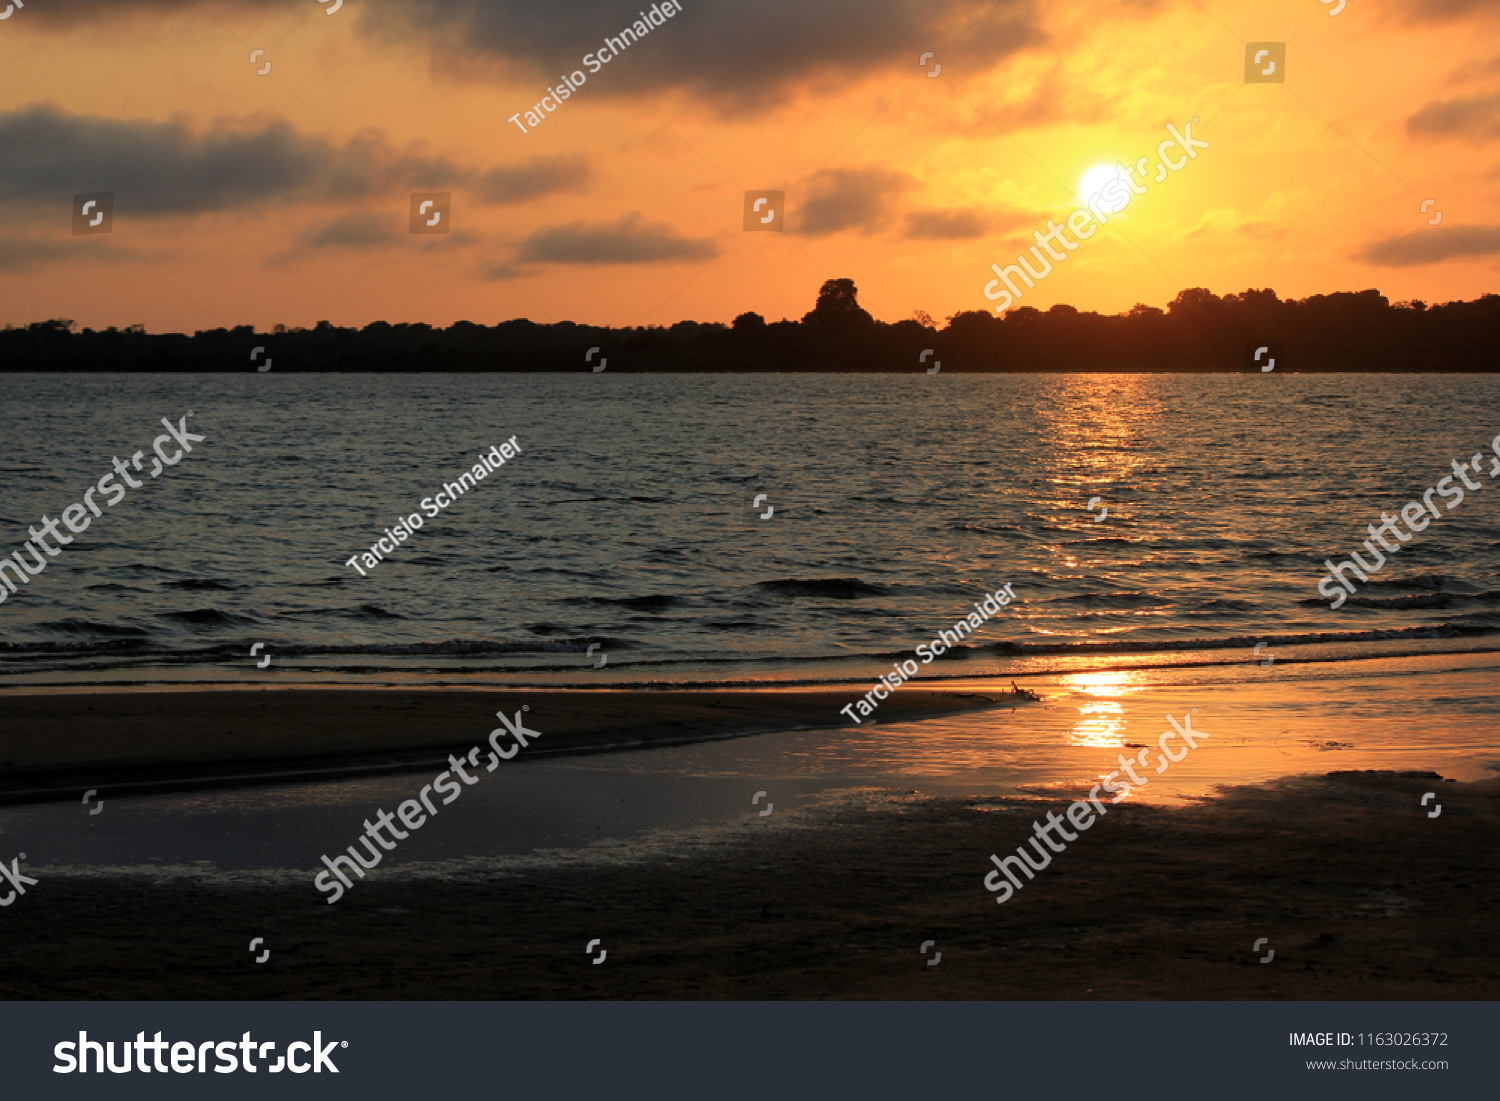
1102, 716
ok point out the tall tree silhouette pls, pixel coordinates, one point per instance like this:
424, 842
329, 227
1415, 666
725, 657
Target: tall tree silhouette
838, 307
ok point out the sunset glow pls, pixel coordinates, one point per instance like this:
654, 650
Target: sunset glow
276, 190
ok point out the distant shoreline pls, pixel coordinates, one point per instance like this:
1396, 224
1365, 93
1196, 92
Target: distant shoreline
1476, 370
1199, 332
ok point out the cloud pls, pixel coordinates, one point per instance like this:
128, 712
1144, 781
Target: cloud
153, 167
171, 168
506, 271
370, 165
840, 199
358, 231
631, 240
162, 168
1476, 117
25, 253
538, 177
739, 58
17, 253
1444, 11
1433, 246
71, 14
1474, 70
945, 225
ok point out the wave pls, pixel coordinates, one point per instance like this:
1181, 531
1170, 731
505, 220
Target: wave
143, 567
1429, 600
1450, 599
476, 647
1129, 599
89, 627
108, 638
92, 646
201, 583
208, 617
1430, 581
1143, 646
839, 588
364, 611
374, 611
639, 603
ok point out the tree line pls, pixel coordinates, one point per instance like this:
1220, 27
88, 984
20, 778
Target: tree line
1198, 331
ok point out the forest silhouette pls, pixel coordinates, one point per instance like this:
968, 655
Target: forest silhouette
1198, 331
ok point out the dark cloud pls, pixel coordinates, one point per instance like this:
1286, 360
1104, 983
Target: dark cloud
360, 230
18, 253
1476, 117
506, 271
839, 199
631, 240
71, 15
165, 168
536, 178
371, 232
1433, 246
153, 167
945, 225
740, 57
369, 165
25, 253
170, 168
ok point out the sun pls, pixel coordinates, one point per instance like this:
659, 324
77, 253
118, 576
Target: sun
1095, 180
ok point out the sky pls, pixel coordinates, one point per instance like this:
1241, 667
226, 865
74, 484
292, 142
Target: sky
916, 143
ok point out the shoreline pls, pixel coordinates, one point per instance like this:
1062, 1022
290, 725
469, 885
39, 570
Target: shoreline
949, 671
57, 743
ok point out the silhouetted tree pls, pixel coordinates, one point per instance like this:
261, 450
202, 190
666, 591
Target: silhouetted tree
838, 307
1199, 331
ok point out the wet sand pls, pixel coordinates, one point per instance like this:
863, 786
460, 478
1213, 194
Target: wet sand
1360, 893
56, 742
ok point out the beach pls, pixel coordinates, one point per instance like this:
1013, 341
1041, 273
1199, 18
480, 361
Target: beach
741, 844
1358, 893
154, 740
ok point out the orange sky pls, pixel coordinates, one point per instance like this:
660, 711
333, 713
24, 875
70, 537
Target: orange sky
256, 199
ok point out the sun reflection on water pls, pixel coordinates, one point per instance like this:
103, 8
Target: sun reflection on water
1102, 714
